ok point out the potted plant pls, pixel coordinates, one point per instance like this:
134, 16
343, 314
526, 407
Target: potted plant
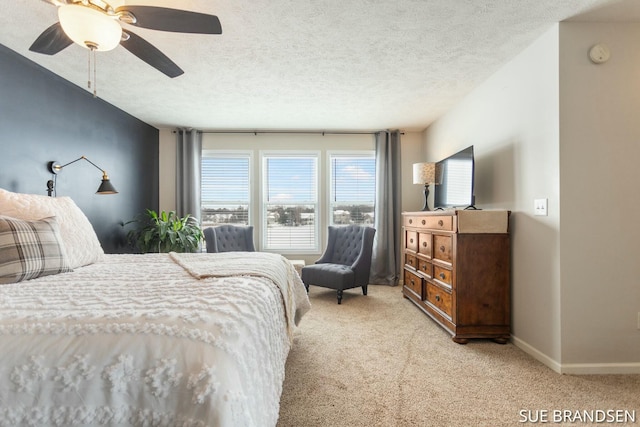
166, 232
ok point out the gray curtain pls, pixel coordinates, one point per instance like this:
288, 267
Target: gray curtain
385, 268
188, 162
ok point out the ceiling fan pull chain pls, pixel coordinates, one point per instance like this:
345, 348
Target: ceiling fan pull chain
89, 70
95, 72
92, 51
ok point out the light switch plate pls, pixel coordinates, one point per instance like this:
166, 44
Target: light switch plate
540, 207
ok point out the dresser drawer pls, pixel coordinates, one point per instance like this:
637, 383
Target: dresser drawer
411, 221
413, 282
424, 244
442, 248
444, 223
411, 261
442, 275
425, 267
439, 298
411, 240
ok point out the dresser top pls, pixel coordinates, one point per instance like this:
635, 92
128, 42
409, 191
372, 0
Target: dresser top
455, 212
471, 220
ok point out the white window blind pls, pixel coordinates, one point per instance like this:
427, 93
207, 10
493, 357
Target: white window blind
226, 186
352, 188
290, 202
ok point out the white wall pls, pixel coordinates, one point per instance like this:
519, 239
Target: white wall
512, 122
550, 124
599, 156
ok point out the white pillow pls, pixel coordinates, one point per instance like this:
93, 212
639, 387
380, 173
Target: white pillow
78, 236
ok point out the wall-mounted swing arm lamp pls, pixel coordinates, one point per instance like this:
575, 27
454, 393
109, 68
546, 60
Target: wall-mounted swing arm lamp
105, 187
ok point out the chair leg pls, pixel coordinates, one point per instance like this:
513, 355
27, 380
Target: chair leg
364, 290
339, 296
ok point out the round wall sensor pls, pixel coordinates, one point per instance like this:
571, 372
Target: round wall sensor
599, 53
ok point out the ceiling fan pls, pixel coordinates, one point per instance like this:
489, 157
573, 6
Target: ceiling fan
97, 26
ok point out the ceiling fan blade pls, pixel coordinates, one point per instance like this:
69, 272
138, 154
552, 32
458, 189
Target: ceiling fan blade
179, 21
51, 41
150, 54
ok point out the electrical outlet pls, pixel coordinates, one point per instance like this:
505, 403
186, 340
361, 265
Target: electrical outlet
540, 207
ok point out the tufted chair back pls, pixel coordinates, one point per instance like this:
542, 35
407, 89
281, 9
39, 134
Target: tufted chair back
344, 244
229, 238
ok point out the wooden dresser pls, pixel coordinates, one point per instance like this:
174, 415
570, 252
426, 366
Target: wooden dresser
457, 270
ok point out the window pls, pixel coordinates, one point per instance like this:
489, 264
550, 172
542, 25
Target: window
226, 188
290, 202
353, 188
289, 196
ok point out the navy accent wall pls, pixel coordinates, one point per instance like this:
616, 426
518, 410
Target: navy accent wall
44, 117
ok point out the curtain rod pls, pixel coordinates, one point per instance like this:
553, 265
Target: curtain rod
306, 132
314, 132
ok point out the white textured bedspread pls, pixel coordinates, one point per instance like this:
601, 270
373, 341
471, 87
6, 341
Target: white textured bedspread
138, 340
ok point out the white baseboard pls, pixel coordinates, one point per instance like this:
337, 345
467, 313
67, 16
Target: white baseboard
536, 354
600, 368
576, 368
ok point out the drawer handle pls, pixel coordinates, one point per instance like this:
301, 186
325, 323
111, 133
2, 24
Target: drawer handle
424, 244
410, 221
442, 248
438, 298
412, 282
442, 275
441, 223
424, 222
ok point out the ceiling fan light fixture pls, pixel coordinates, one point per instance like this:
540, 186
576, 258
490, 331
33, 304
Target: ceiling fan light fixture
89, 27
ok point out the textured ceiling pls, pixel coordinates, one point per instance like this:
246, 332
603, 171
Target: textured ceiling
309, 64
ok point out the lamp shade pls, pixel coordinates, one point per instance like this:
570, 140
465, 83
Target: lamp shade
89, 27
106, 187
424, 173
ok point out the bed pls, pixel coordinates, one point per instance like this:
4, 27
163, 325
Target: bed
144, 340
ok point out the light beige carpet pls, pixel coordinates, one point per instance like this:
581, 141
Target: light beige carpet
377, 360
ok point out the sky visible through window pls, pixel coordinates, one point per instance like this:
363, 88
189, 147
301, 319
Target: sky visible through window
354, 179
291, 179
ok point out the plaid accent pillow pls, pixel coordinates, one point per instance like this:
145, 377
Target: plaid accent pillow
30, 249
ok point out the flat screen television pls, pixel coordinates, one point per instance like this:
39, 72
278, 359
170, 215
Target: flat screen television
454, 181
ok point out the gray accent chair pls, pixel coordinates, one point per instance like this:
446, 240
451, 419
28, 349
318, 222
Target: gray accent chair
346, 261
229, 238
